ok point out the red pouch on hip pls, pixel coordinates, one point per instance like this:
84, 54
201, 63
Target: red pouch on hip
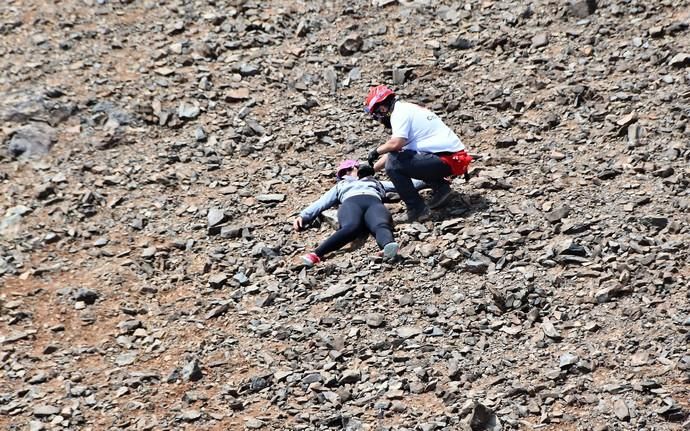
458, 162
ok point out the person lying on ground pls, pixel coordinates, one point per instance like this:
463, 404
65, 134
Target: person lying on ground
360, 196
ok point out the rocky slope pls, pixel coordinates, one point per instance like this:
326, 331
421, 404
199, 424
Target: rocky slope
155, 153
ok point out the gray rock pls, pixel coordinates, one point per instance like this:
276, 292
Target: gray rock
217, 311
350, 377
249, 69
408, 331
550, 330
190, 415
399, 76
620, 409
126, 359
200, 134
129, 326
680, 60
12, 219
351, 44
215, 217
217, 281
253, 424
540, 40
656, 221
375, 320
191, 371
271, 198
555, 215
85, 295
188, 111
335, 290
583, 8
476, 266
567, 360
482, 418
44, 410
331, 78
459, 42
330, 217
32, 139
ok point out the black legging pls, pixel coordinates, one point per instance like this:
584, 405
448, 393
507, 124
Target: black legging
353, 215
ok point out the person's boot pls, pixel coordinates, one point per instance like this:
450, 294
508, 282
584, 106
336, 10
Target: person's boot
440, 196
415, 215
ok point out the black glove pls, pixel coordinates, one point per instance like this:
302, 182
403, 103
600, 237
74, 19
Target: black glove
365, 171
373, 157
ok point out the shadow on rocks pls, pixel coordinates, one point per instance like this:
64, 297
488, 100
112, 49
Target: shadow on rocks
461, 205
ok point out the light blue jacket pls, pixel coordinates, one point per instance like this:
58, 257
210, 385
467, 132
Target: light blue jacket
348, 187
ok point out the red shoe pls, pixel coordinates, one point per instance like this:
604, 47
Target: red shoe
310, 259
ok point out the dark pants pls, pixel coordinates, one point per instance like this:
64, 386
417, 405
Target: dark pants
354, 215
402, 166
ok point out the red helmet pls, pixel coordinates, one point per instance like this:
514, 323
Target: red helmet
376, 95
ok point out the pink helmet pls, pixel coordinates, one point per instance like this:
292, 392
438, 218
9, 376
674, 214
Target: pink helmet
376, 95
345, 165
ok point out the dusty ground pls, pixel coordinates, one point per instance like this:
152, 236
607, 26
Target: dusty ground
552, 290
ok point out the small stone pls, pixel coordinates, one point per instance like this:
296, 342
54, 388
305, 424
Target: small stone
567, 360
217, 281
238, 94
188, 111
217, 311
656, 221
482, 418
459, 43
476, 266
406, 299
336, 290
32, 139
549, 330
399, 76
583, 8
375, 320
627, 119
620, 409
680, 60
351, 44
271, 198
408, 331
191, 372
253, 424
350, 376
540, 40
557, 214
215, 217
45, 411
249, 69
200, 134
85, 295
149, 252
126, 359
505, 142
190, 415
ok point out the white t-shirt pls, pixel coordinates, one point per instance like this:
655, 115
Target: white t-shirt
424, 130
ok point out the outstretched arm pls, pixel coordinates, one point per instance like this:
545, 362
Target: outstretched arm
326, 201
389, 187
